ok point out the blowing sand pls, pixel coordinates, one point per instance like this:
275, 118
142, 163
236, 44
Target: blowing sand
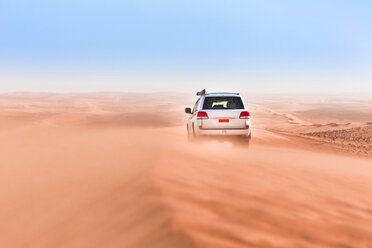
107, 170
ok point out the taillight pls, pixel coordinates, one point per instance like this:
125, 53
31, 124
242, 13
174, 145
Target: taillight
244, 115
202, 115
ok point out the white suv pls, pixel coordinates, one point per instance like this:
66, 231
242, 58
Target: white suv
219, 113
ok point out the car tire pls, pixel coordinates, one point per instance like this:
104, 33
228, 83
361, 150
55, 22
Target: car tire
193, 137
190, 135
246, 139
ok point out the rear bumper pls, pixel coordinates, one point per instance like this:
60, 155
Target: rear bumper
222, 132
200, 131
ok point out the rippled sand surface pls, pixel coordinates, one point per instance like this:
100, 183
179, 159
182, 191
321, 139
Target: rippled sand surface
77, 178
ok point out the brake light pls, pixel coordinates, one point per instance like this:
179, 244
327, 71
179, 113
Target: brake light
244, 115
202, 115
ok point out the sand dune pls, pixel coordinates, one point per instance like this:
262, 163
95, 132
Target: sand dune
97, 171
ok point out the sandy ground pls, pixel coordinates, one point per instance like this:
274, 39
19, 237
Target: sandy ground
116, 170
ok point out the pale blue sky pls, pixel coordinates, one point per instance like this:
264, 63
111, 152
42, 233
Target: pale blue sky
157, 45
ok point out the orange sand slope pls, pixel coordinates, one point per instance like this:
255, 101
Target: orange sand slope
96, 171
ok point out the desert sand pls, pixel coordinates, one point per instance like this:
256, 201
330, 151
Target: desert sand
116, 170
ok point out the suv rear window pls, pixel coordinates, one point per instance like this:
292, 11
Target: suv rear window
223, 102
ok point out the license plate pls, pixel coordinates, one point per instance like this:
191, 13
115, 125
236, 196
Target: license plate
223, 120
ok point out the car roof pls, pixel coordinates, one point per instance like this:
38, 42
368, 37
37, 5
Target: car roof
221, 94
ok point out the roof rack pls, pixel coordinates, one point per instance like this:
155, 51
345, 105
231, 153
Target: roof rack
201, 93
223, 93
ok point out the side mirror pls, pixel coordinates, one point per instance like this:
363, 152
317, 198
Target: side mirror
188, 110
